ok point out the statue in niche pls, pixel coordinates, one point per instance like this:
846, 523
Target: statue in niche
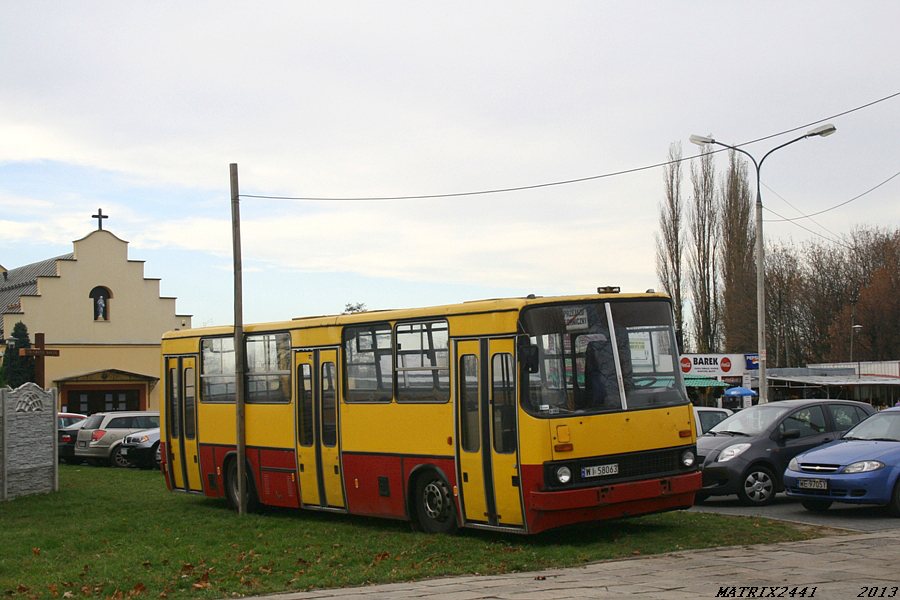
101, 309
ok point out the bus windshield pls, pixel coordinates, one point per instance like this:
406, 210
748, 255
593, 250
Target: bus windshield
601, 357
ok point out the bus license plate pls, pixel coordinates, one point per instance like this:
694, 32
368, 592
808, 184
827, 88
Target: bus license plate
812, 484
599, 471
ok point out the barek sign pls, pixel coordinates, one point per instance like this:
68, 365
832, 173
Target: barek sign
715, 365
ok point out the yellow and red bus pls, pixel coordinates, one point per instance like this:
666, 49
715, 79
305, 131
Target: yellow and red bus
516, 415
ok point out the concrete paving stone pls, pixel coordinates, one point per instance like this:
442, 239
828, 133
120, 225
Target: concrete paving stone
838, 566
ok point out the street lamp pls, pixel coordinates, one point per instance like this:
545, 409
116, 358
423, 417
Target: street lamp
822, 131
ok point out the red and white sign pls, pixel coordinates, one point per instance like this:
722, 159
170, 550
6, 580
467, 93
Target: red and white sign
712, 365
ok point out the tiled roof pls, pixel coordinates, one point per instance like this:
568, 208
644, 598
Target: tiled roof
22, 281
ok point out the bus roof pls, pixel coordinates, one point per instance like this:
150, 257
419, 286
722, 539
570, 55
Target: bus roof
397, 314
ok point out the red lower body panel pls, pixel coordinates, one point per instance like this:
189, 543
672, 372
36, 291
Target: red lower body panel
549, 509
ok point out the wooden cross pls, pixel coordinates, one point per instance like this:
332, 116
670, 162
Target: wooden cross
38, 352
99, 216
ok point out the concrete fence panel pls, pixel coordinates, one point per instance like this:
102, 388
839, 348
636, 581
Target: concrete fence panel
28, 442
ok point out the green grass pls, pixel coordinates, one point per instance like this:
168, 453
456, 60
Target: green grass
118, 533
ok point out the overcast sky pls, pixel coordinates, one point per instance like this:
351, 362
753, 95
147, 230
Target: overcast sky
138, 108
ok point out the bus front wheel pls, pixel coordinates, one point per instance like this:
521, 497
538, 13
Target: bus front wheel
434, 504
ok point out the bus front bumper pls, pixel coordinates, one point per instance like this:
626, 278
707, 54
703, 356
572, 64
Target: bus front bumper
677, 487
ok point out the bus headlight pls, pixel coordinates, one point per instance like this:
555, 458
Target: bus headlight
564, 475
688, 458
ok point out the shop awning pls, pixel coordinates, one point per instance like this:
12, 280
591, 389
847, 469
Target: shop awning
695, 381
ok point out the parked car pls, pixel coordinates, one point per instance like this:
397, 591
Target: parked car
708, 416
747, 453
66, 442
65, 419
100, 439
142, 449
863, 467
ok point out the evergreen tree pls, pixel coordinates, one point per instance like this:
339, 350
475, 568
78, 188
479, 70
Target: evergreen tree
16, 369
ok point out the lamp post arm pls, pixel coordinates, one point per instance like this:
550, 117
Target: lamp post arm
802, 137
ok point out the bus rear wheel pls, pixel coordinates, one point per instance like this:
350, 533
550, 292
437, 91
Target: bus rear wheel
434, 504
232, 488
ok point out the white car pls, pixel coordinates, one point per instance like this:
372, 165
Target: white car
707, 417
100, 439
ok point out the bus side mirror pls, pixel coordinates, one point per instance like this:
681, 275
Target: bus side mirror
529, 357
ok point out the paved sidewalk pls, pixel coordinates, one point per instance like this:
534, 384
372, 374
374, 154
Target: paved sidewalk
832, 568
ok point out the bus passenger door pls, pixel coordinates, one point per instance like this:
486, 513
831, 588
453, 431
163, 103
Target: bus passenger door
488, 439
504, 432
468, 418
182, 443
317, 428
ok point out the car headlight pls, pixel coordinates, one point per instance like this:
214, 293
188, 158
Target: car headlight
732, 451
863, 466
564, 474
794, 465
143, 439
688, 458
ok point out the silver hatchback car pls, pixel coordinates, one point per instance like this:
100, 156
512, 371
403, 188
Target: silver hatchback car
100, 438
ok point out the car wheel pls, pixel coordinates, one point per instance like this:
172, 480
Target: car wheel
434, 504
232, 489
816, 505
157, 458
894, 505
117, 459
757, 486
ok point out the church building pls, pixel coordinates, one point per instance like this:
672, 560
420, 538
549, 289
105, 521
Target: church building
104, 318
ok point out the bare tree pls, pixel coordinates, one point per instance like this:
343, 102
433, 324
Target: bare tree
669, 242
737, 267
873, 273
827, 292
703, 227
786, 307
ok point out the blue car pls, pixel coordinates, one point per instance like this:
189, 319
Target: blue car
862, 467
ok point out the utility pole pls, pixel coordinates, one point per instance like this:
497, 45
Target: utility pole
238, 342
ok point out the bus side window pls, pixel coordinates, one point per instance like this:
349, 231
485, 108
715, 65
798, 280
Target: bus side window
329, 405
305, 406
504, 402
368, 363
469, 424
